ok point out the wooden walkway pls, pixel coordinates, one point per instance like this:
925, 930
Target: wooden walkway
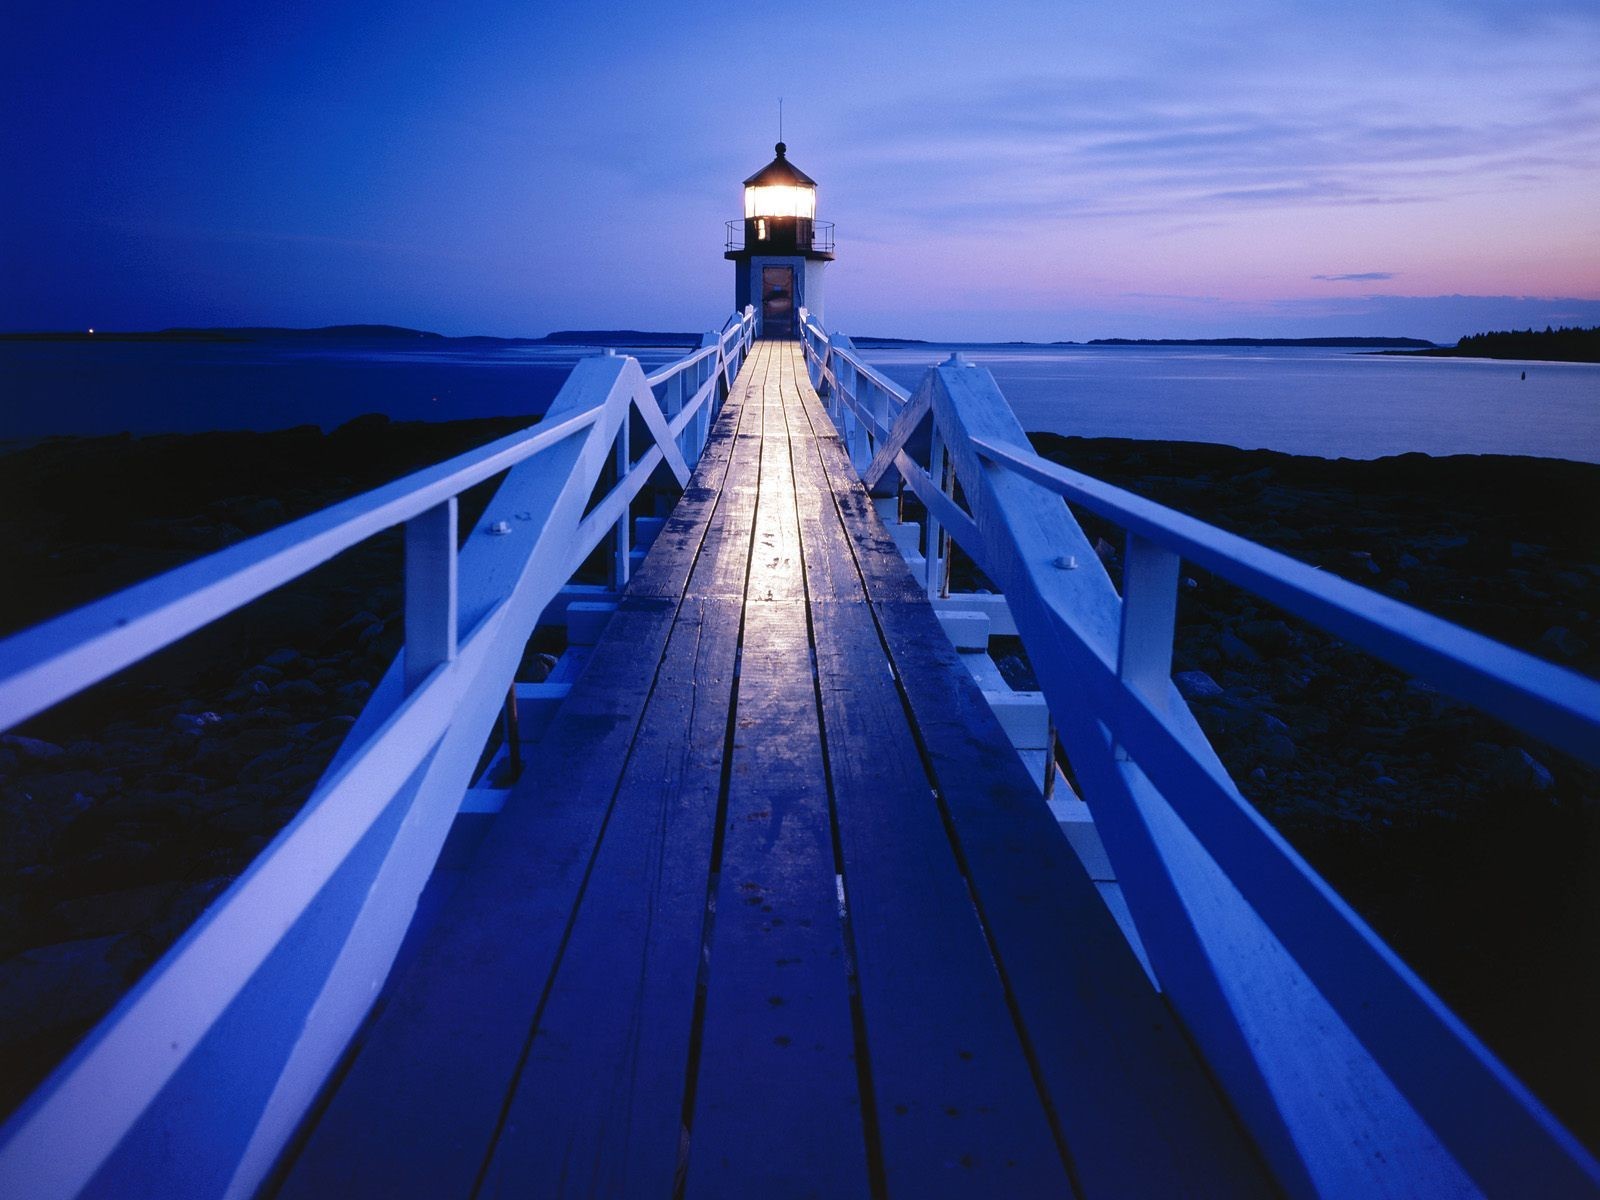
775, 910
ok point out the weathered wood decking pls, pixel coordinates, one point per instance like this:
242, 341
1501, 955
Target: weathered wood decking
776, 910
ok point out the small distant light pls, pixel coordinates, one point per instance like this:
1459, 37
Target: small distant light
91, 331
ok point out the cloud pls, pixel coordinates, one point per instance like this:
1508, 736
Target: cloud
1356, 277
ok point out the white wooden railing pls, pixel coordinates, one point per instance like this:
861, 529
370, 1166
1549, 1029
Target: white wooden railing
1353, 1078
193, 1083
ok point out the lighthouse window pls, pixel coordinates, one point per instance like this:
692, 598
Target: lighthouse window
761, 228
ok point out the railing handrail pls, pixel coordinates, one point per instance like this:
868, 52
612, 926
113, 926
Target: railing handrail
1218, 896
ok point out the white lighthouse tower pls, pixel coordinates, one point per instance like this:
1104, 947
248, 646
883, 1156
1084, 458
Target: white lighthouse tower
780, 249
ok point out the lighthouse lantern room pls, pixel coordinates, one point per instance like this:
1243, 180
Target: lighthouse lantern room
780, 248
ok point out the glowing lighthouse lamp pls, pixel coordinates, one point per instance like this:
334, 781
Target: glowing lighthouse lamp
779, 251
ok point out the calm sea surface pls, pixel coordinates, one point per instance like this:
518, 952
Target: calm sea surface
1327, 402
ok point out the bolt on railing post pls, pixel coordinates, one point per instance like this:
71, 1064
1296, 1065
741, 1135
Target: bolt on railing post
1149, 617
430, 591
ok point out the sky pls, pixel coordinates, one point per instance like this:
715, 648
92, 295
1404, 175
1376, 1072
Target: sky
1031, 171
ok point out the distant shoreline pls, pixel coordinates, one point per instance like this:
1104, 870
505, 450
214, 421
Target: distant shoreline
358, 333
1311, 343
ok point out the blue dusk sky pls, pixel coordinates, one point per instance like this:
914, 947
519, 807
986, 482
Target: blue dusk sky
1039, 171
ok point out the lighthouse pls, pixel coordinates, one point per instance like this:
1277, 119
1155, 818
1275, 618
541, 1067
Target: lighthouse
780, 248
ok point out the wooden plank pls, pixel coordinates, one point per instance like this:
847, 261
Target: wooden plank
720, 569
676, 548
1136, 1110
598, 1108
777, 1109
1149, 1122
830, 567
1162, 1127
420, 1103
775, 567
958, 1112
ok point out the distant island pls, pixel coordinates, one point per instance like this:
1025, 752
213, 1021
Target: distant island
1323, 343
1553, 345
361, 333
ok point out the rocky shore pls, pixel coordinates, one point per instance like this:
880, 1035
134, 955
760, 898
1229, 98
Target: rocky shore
1472, 848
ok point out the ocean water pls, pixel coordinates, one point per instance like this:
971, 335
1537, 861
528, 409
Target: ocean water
50, 388
1334, 403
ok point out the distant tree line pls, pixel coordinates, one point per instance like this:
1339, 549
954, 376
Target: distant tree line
1555, 345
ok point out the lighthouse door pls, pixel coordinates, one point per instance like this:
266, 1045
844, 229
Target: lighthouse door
777, 302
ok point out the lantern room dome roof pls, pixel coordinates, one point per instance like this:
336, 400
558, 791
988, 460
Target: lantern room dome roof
780, 172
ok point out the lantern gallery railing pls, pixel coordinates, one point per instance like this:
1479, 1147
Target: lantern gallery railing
1352, 1076
800, 234
204, 1069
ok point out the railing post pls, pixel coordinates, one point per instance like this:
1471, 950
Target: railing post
1149, 617
430, 591
933, 560
620, 568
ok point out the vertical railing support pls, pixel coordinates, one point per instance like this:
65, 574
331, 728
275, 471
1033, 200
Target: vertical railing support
1149, 619
933, 559
624, 547
430, 591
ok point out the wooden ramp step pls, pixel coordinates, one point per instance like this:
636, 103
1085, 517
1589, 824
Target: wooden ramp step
775, 910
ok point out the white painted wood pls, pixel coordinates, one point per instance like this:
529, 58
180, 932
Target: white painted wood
430, 592
587, 620
985, 673
908, 536
966, 630
991, 605
1024, 717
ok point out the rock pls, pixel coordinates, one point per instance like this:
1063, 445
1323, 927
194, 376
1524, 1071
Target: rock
1560, 642
194, 723
1278, 748
1234, 650
1512, 767
279, 659
268, 763
29, 748
1272, 725
111, 912
66, 983
1196, 685
1272, 637
356, 690
297, 689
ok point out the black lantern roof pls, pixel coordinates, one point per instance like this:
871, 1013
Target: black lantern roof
780, 172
